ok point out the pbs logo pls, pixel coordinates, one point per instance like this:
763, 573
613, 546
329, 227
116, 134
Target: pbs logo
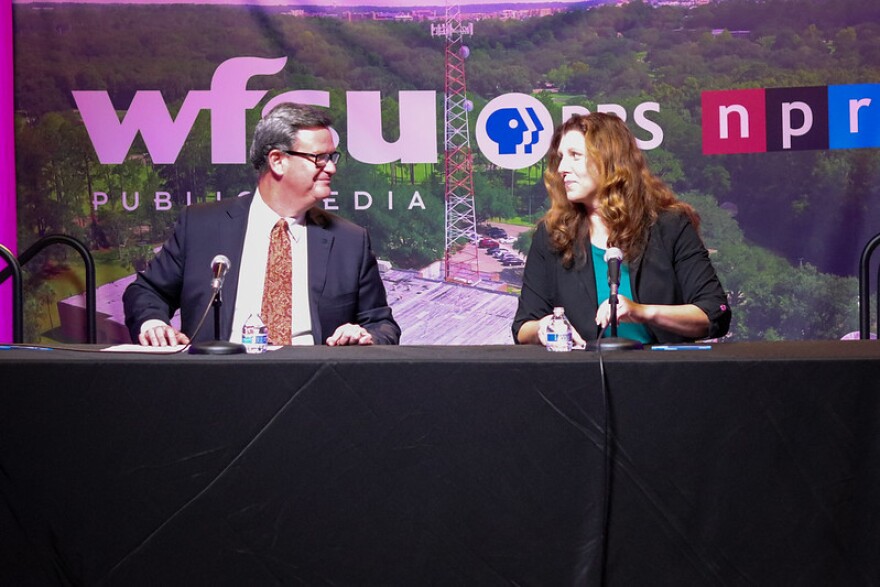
514, 131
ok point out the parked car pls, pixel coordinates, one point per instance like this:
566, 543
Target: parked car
497, 232
499, 252
512, 262
487, 243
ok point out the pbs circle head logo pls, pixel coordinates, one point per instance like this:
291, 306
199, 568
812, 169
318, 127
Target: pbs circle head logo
514, 131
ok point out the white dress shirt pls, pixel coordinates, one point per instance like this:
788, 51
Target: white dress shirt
254, 255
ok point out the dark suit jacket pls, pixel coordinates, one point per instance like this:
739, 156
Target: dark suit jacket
344, 281
674, 269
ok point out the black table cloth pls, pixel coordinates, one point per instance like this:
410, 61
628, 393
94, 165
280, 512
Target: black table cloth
751, 463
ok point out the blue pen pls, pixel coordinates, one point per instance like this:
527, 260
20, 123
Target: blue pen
683, 347
7, 347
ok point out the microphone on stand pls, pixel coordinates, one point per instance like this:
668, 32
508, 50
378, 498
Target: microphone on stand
219, 267
614, 257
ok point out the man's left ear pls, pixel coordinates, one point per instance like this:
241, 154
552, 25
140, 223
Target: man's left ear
276, 162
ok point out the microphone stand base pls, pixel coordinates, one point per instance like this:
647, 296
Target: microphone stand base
216, 347
614, 343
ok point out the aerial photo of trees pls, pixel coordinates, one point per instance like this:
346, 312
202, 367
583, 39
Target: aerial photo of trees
785, 229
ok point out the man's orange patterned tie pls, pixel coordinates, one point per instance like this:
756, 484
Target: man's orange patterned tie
278, 287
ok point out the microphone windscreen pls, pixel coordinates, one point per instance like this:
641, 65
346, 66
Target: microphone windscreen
220, 260
613, 253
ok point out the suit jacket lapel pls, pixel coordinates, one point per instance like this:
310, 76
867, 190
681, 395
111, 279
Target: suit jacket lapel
320, 239
586, 278
231, 228
635, 268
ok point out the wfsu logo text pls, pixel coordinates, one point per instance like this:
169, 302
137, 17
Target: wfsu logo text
513, 130
228, 100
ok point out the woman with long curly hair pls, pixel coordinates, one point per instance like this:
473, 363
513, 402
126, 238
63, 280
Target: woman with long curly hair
603, 195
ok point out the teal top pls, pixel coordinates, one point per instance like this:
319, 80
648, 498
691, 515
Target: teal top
629, 330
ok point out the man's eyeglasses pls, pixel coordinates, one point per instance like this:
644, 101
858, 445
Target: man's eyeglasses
319, 159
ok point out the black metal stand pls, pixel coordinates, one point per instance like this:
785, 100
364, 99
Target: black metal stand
216, 346
614, 342
865, 290
14, 269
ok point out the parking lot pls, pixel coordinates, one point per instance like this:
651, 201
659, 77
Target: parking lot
491, 264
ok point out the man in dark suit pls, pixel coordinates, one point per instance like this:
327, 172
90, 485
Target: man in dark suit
337, 295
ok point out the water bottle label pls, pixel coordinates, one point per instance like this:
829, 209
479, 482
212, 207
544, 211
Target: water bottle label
254, 342
559, 341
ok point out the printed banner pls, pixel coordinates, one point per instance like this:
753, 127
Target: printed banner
764, 116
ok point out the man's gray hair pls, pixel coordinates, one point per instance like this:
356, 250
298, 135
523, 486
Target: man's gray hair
279, 128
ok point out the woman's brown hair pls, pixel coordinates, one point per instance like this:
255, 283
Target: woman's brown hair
628, 196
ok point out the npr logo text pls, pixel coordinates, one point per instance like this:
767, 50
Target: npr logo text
791, 119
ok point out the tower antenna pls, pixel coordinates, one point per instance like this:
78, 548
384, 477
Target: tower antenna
461, 263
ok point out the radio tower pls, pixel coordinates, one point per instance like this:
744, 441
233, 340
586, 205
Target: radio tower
461, 223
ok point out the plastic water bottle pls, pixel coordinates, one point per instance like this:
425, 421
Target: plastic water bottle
559, 332
254, 335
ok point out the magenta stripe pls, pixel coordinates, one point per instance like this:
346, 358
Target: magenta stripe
7, 163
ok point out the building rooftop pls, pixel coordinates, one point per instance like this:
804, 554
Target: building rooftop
429, 311
437, 312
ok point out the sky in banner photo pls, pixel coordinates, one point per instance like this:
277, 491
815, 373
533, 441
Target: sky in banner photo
322, 3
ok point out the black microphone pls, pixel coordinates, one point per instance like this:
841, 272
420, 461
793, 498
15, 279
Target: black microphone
613, 256
219, 267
